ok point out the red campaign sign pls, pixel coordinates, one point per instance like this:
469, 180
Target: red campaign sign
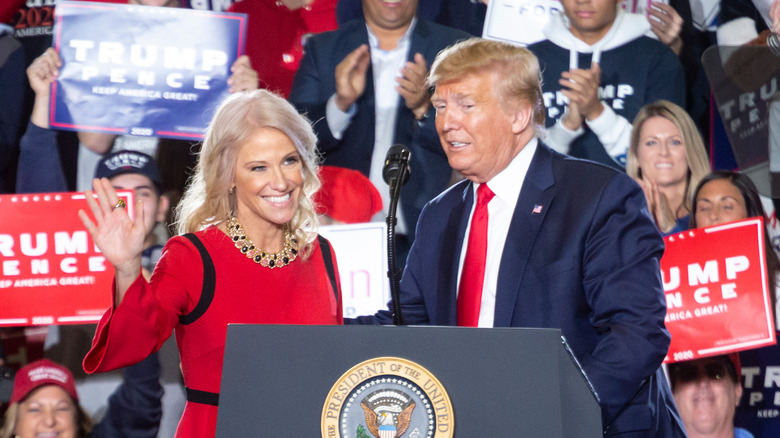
50, 270
717, 296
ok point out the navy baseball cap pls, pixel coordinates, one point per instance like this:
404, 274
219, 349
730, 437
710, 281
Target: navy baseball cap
129, 162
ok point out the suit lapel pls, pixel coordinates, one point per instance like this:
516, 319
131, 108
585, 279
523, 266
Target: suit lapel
454, 235
419, 40
534, 202
367, 101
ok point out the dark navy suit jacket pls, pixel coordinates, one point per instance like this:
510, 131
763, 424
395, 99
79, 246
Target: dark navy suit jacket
587, 263
315, 83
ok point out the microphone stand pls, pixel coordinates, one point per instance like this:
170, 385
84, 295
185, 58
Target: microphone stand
393, 272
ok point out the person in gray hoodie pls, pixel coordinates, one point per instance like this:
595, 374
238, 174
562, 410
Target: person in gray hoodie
599, 68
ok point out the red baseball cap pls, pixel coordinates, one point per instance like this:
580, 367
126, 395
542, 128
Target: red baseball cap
39, 373
347, 195
8, 10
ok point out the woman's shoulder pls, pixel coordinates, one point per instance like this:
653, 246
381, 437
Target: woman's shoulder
211, 238
680, 225
210, 234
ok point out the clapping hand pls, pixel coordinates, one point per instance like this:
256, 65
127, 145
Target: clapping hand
351, 77
581, 87
666, 23
411, 86
658, 205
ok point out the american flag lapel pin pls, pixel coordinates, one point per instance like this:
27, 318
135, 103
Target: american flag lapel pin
537, 209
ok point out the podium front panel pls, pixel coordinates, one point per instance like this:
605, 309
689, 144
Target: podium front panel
501, 381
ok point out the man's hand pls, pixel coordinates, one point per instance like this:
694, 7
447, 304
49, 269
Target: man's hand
666, 23
411, 86
774, 15
43, 71
351, 77
581, 87
296, 4
243, 77
572, 119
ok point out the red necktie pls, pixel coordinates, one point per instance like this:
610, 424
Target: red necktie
473, 273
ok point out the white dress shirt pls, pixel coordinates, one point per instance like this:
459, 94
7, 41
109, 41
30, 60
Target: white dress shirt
506, 186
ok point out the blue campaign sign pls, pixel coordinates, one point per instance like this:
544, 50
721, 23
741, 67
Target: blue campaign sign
759, 408
142, 70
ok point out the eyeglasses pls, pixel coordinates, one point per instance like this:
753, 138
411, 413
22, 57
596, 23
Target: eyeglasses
685, 373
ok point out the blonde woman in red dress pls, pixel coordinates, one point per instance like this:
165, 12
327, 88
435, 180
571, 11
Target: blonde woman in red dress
248, 253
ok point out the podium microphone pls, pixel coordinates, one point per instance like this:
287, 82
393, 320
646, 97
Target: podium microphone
397, 158
395, 173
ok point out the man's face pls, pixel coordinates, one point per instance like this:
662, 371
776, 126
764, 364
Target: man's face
389, 14
590, 19
479, 137
155, 206
707, 398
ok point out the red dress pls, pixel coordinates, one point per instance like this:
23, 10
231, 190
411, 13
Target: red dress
276, 35
245, 292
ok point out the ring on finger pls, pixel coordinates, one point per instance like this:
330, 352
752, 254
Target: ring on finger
119, 204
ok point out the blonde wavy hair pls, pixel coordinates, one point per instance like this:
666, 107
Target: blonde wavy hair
695, 153
207, 199
518, 68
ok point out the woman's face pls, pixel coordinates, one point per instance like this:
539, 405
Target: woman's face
719, 201
48, 411
661, 153
268, 179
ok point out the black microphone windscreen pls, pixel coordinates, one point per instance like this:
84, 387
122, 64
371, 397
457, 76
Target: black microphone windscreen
397, 156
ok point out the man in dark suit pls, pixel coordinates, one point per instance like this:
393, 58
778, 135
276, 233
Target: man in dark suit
466, 15
363, 86
565, 243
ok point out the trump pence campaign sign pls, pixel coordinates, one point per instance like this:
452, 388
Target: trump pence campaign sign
716, 285
50, 270
142, 70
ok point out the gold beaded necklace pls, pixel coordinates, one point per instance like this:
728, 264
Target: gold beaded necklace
257, 255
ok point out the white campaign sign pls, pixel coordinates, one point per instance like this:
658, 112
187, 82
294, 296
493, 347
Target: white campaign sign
521, 21
361, 254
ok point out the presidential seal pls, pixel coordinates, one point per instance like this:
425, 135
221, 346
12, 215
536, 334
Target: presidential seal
387, 397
